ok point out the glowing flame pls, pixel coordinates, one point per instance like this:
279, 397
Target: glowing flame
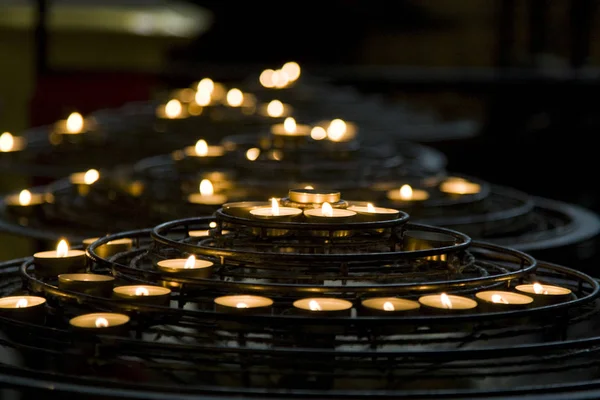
212, 225
336, 130
318, 133
314, 305
370, 208
327, 210
252, 153
190, 262
275, 108
201, 148
280, 78
387, 306
274, 206
101, 322
206, 188
7, 141
292, 69
496, 298
406, 192
141, 291
241, 304
25, 197
445, 300
309, 187
74, 123
539, 289
206, 85
235, 97
91, 176
202, 98
289, 125
21, 303
62, 249
173, 108
266, 78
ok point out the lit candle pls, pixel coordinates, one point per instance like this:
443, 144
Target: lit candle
447, 303
275, 109
407, 194
413, 240
83, 180
545, 294
326, 306
310, 195
75, 124
60, 261
274, 213
459, 186
188, 267
91, 284
207, 195
111, 248
202, 232
235, 98
25, 203
203, 151
389, 306
292, 70
146, 294
371, 213
101, 323
243, 304
10, 143
23, 308
337, 130
173, 109
329, 214
494, 300
290, 128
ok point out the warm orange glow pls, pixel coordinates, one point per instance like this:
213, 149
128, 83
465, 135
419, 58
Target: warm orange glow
266, 78
206, 85
241, 304
445, 300
336, 130
318, 133
206, 188
190, 262
289, 125
213, 224
309, 187
62, 249
141, 291
252, 153
539, 289
21, 303
201, 148
496, 298
274, 206
7, 142
101, 322
370, 208
202, 98
314, 305
406, 192
292, 69
280, 78
235, 97
91, 176
387, 306
173, 108
74, 123
275, 108
327, 210
25, 197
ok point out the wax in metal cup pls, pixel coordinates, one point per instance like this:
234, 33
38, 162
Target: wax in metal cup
143, 294
206, 195
323, 307
498, 301
274, 213
191, 158
459, 187
447, 304
25, 204
414, 240
243, 304
329, 215
389, 306
100, 323
60, 261
544, 295
189, 267
90, 284
407, 195
370, 213
111, 248
23, 308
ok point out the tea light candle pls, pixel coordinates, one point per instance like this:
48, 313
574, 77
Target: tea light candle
494, 300
545, 294
372, 213
207, 195
10, 143
290, 128
447, 303
275, 109
60, 261
310, 195
83, 180
243, 304
407, 194
111, 248
326, 306
188, 267
146, 294
459, 186
91, 284
202, 150
25, 203
275, 212
23, 308
389, 306
172, 110
101, 323
329, 214
73, 125
339, 130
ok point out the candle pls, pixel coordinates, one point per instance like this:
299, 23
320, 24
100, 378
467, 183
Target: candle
447, 303
328, 214
188, 267
83, 180
309, 195
325, 306
171, 110
389, 306
75, 124
413, 240
494, 300
145, 294
459, 186
371, 213
275, 109
545, 294
243, 304
25, 203
91, 284
407, 194
23, 308
290, 128
207, 195
236, 98
60, 261
339, 130
111, 248
274, 213
10, 143
101, 323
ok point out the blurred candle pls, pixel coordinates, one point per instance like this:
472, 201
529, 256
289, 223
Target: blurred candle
407, 194
10, 143
289, 127
207, 195
459, 186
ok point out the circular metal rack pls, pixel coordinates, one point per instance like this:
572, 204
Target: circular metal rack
193, 346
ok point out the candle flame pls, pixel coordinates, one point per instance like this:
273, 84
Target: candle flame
292, 69
318, 133
201, 148
496, 298
289, 125
280, 79
7, 141
274, 206
91, 176
173, 108
206, 188
539, 289
25, 197
314, 305
406, 192
336, 130
275, 108
213, 224
206, 85
101, 322
62, 249
241, 304
21, 303
388, 306
266, 78
327, 210
141, 291
252, 153
203, 97
190, 262
445, 300
235, 97
370, 208
74, 123
309, 187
